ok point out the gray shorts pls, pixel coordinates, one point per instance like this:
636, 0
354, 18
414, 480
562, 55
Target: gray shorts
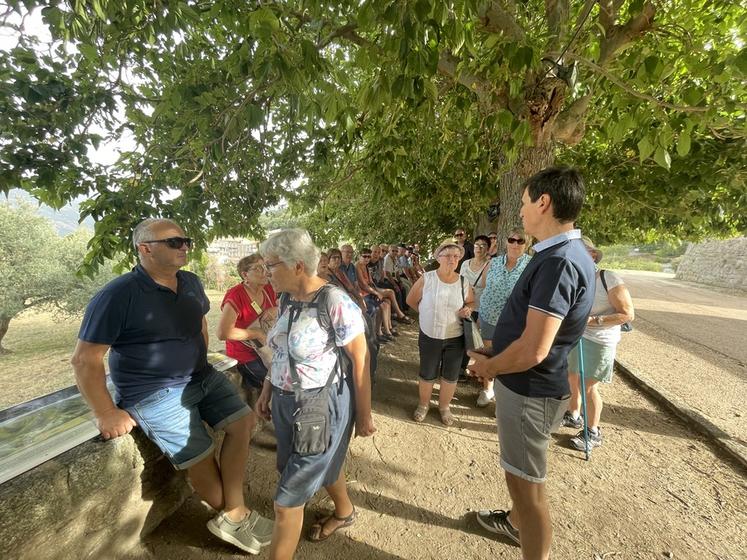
524, 428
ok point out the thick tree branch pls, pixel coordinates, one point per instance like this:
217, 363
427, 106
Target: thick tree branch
627, 89
556, 12
346, 32
447, 65
496, 18
607, 16
571, 122
620, 36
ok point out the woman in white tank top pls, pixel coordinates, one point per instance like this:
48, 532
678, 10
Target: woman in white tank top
443, 299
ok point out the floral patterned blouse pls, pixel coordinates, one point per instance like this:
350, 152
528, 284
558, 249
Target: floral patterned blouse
308, 342
499, 283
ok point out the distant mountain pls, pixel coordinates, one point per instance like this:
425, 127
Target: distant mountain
65, 220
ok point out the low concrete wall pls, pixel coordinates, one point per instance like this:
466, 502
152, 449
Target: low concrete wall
716, 263
94, 501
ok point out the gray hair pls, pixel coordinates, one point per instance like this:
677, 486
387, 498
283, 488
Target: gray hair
292, 246
144, 230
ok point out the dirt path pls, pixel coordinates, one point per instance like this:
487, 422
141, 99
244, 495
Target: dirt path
654, 490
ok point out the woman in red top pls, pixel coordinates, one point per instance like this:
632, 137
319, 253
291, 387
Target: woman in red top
241, 307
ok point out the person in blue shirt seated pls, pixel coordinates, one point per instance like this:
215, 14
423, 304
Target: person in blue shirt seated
152, 323
544, 317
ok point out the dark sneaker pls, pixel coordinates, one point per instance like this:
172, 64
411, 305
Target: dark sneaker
570, 422
595, 440
496, 521
249, 534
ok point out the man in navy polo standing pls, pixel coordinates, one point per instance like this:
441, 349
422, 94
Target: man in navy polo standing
542, 320
152, 323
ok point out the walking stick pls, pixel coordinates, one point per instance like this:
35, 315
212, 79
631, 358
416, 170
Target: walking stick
587, 448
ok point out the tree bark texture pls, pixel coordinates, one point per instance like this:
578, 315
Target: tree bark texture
510, 188
4, 322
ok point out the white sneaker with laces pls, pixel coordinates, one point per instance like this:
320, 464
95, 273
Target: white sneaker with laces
249, 534
485, 398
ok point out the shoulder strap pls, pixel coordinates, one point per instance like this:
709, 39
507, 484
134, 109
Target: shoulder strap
461, 285
320, 302
604, 282
480, 275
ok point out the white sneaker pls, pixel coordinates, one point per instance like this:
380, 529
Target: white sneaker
485, 398
249, 534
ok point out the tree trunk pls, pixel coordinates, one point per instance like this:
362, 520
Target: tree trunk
4, 322
510, 188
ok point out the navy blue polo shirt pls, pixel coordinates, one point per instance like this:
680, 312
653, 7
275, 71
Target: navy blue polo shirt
559, 281
155, 334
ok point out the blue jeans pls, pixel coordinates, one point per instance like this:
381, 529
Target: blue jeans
174, 417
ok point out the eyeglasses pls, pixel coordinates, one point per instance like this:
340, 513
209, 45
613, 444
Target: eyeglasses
449, 255
483, 245
335, 258
258, 268
173, 242
270, 266
516, 241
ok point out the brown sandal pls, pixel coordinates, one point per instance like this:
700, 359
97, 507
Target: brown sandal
316, 533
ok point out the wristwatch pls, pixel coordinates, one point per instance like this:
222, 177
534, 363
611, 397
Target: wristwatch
598, 319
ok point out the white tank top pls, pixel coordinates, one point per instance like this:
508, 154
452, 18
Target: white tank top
439, 306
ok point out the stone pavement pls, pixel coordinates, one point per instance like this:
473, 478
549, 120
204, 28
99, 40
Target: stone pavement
689, 350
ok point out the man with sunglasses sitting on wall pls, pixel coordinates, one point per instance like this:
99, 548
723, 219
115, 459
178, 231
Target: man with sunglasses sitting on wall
152, 323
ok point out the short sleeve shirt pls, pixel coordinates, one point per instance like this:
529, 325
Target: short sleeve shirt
499, 282
308, 343
239, 299
560, 281
389, 264
155, 334
606, 336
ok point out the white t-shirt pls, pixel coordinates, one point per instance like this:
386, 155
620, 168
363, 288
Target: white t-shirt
471, 276
606, 336
389, 264
439, 306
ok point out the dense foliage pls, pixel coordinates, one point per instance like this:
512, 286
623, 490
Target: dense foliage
39, 268
394, 114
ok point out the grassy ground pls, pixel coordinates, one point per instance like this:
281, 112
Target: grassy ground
41, 347
658, 257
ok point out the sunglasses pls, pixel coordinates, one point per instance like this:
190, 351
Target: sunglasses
173, 242
492, 237
516, 241
366, 256
458, 235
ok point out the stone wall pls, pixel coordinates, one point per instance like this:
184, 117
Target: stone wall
716, 263
94, 501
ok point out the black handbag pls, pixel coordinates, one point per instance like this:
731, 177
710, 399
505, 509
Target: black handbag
472, 336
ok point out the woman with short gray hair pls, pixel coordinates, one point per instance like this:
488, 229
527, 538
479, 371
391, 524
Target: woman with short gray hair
309, 392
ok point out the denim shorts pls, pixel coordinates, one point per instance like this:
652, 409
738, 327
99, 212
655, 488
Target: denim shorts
301, 477
599, 361
441, 358
524, 428
173, 416
486, 330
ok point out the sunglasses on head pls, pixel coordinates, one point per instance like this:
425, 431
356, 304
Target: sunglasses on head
173, 242
516, 241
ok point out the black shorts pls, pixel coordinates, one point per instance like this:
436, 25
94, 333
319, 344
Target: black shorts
440, 358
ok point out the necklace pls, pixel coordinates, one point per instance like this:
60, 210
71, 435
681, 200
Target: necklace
253, 298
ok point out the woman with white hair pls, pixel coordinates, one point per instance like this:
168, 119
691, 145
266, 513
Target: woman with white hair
443, 299
312, 399
612, 308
